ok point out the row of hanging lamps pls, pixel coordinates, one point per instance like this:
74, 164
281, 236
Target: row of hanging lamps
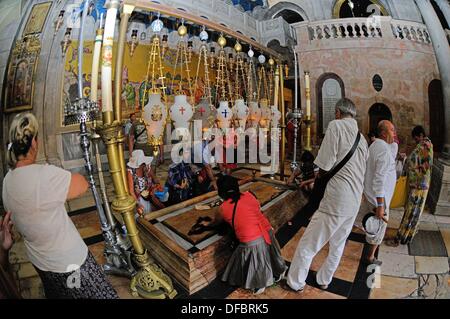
205, 110
252, 95
240, 109
181, 111
263, 98
224, 113
155, 110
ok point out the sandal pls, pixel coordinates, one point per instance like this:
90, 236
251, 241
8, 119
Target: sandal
392, 243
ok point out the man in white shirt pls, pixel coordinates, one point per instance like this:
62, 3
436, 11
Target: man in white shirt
379, 184
333, 221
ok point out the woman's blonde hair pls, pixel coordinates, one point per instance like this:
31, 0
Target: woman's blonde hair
24, 128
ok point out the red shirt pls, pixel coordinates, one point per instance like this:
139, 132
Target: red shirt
249, 221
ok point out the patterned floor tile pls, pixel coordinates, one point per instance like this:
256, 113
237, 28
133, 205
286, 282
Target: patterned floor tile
431, 265
394, 288
397, 265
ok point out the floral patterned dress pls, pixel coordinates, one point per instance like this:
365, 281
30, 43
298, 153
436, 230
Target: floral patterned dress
419, 167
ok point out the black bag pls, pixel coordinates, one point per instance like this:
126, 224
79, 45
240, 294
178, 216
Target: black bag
320, 183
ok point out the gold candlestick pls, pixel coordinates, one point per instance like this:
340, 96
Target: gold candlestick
308, 112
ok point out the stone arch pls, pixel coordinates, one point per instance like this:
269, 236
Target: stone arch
335, 80
283, 5
339, 3
440, 14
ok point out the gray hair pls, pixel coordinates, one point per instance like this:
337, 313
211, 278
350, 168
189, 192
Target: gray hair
346, 107
24, 128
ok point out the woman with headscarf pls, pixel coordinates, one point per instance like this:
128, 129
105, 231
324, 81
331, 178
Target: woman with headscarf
419, 164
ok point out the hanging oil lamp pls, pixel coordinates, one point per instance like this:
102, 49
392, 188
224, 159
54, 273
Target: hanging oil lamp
59, 21
181, 111
155, 111
134, 42
65, 43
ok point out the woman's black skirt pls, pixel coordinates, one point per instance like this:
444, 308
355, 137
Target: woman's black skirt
255, 264
88, 282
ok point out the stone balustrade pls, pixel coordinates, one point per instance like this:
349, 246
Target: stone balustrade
384, 28
276, 29
344, 29
407, 30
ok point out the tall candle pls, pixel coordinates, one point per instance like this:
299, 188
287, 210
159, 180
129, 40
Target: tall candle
108, 37
308, 94
277, 88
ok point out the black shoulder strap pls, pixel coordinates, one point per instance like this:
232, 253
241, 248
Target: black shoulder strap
140, 133
347, 157
234, 214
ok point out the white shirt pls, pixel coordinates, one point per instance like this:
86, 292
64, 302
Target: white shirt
380, 176
343, 193
35, 195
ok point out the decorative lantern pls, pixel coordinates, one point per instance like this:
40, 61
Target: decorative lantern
262, 59
59, 21
255, 114
240, 111
266, 113
224, 115
181, 113
134, 42
203, 113
204, 35
66, 42
154, 116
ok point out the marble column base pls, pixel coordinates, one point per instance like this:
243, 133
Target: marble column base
439, 195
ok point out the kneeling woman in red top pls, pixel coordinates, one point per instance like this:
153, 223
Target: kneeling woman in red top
256, 263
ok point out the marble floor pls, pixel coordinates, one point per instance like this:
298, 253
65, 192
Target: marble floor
401, 275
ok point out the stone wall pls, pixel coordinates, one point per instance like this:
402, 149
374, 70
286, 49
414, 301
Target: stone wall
406, 68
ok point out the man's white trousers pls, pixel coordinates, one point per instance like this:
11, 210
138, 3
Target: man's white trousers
323, 228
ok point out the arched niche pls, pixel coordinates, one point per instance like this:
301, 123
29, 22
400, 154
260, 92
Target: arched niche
330, 89
362, 8
377, 113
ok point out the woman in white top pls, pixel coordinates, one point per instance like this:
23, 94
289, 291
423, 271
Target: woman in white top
35, 195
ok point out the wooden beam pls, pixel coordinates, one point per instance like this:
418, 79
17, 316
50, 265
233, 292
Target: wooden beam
174, 12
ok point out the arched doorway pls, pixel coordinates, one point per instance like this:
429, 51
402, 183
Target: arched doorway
437, 117
290, 16
377, 113
361, 9
288, 7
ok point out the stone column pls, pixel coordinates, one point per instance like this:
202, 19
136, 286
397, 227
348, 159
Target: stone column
444, 5
442, 51
439, 194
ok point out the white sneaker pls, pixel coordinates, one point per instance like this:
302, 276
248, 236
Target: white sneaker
323, 287
259, 291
